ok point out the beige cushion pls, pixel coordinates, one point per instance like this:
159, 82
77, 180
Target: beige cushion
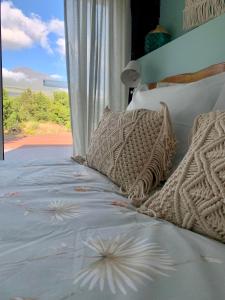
194, 196
133, 149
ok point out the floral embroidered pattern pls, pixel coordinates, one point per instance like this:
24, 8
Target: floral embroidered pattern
79, 175
212, 260
120, 203
81, 189
123, 263
59, 210
21, 298
10, 194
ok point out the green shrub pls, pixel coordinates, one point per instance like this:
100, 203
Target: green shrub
30, 127
35, 107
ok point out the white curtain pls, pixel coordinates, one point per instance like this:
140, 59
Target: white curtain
98, 48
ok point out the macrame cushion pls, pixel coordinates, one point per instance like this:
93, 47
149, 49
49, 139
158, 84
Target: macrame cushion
134, 149
197, 12
194, 196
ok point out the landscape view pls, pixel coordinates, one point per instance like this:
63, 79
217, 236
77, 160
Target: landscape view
35, 113
35, 98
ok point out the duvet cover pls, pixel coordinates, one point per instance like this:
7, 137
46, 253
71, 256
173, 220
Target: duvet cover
61, 238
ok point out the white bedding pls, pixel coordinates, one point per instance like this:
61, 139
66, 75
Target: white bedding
62, 239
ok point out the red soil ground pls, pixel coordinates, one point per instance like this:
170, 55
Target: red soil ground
62, 139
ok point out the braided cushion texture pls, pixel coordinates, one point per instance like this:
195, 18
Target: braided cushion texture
194, 195
134, 149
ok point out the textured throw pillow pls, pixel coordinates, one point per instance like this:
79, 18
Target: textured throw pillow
194, 196
134, 149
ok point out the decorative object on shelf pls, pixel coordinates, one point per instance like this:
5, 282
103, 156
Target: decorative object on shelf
197, 12
156, 38
130, 76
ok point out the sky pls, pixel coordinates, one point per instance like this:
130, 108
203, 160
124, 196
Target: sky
32, 40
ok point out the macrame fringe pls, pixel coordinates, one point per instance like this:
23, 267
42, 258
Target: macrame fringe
79, 159
197, 12
147, 211
157, 168
193, 130
197, 123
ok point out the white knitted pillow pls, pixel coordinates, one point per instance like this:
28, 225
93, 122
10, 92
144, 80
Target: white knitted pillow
194, 196
133, 149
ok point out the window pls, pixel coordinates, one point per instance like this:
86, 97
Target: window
36, 114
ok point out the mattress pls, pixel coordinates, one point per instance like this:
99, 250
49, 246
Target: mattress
61, 238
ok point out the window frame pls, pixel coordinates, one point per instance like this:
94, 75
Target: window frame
1, 100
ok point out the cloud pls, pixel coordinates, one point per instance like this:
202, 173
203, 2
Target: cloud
20, 31
15, 76
61, 48
56, 26
56, 76
20, 79
63, 90
16, 38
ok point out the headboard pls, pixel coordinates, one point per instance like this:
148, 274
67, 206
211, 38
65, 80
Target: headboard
192, 51
191, 77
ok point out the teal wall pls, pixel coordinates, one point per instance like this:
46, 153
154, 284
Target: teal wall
171, 16
197, 49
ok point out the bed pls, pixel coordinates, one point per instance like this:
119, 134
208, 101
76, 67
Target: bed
62, 238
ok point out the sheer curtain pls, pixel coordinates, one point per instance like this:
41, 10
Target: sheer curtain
98, 48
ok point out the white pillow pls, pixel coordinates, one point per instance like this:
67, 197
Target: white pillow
185, 102
220, 103
142, 87
166, 84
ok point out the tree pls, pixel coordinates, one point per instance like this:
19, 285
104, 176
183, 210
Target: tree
60, 112
41, 107
11, 119
35, 107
